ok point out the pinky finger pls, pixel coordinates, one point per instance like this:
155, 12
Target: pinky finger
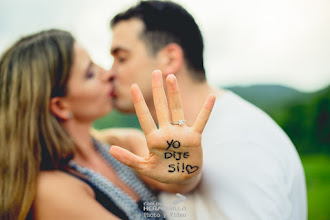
204, 114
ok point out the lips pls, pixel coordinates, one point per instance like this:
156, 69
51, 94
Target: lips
112, 93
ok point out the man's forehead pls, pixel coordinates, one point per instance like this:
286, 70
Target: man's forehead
121, 45
125, 35
130, 23
127, 29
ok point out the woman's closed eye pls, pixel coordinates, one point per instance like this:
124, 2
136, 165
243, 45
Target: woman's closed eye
90, 71
90, 74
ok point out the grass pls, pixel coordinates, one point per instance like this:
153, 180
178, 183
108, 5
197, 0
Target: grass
317, 171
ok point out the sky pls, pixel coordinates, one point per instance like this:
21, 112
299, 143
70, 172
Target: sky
284, 42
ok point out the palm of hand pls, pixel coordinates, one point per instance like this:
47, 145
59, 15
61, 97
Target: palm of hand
175, 154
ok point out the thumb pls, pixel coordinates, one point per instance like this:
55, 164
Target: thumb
126, 157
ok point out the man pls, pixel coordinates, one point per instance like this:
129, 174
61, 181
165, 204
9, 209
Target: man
251, 169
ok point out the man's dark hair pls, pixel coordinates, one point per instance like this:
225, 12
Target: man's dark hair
166, 22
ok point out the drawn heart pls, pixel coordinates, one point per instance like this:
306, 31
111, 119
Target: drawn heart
191, 169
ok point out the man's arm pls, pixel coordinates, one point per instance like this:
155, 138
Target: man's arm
123, 137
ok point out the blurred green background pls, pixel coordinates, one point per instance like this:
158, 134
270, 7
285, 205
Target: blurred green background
305, 117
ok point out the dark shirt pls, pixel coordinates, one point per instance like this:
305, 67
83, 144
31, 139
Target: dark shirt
104, 200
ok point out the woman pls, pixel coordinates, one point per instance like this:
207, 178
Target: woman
51, 92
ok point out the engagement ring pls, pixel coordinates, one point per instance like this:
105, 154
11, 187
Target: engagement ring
180, 122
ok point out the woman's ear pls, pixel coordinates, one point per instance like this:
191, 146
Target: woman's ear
59, 108
170, 59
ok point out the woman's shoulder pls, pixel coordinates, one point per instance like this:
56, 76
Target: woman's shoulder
60, 195
57, 191
57, 184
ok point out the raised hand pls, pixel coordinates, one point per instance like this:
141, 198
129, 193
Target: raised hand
175, 151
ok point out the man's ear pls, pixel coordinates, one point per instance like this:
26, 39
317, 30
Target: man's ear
59, 108
170, 59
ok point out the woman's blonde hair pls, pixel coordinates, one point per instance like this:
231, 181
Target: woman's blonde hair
32, 71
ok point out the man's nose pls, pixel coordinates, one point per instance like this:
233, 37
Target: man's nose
113, 69
109, 75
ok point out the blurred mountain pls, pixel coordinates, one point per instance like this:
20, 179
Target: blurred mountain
271, 98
